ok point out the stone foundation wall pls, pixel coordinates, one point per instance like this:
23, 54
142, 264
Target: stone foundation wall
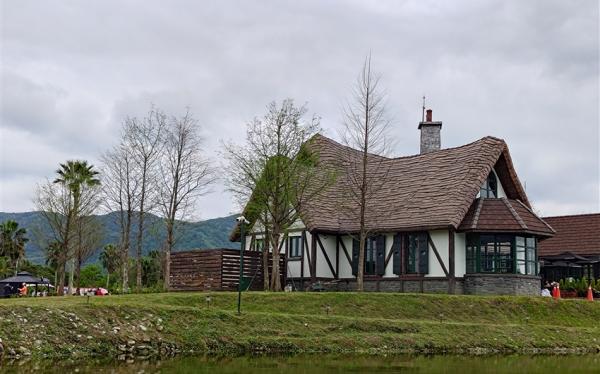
391, 285
502, 284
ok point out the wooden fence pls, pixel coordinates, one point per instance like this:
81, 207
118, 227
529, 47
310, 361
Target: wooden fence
218, 270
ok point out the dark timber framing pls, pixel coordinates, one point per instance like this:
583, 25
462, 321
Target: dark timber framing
437, 254
333, 272
451, 263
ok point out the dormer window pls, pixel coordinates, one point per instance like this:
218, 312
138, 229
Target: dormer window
490, 186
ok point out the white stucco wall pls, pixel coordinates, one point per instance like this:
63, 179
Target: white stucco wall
440, 239
323, 270
345, 266
460, 254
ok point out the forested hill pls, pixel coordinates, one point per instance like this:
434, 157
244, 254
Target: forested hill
212, 233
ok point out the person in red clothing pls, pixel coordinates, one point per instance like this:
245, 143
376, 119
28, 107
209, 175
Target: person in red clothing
23, 290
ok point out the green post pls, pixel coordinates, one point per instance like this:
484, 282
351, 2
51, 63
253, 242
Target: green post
242, 222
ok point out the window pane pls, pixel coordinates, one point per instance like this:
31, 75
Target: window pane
503, 257
493, 188
487, 253
521, 267
531, 268
520, 241
531, 254
411, 258
370, 255
531, 242
520, 253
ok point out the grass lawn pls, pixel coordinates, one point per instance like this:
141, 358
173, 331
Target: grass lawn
295, 322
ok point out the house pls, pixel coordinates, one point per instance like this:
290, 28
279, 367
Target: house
453, 220
574, 251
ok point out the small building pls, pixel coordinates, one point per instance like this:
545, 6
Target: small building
574, 251
453, 220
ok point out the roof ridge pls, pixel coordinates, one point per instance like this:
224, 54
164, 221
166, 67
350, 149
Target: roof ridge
480, 140
514, 213
477, 212
572, 215
532, 212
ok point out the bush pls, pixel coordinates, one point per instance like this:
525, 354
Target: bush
92, 276
579, 285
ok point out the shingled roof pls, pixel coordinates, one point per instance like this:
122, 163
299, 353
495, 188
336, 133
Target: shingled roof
429, 191
579, 234
421, 192
503, 215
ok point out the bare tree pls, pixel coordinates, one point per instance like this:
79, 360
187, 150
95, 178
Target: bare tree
63, 203
365, 130
120, 187
88, 238
185, 176
273, 175
144, 139
54, 203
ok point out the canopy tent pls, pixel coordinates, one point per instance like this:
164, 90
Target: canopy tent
569, 265
22, 277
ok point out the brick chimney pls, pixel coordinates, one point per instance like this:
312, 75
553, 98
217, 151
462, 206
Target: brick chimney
430, 134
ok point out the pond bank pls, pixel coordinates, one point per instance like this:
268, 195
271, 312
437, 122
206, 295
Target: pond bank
163, 325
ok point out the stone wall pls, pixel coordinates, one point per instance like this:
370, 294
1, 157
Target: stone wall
502, 284
392, 285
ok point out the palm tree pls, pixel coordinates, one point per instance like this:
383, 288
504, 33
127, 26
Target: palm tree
12, 242
74, 174
109, 257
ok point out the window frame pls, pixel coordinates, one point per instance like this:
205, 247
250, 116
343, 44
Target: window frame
295, 253
413, 253
259, 244
371, 256
489, 189
523, 258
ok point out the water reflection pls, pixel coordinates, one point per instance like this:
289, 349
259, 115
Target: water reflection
316, 364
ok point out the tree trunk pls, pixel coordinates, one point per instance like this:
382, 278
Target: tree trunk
125, 255
360, 273
78, 274
60, 281
275, 279
140, 235
265, 262
107, 280
71, 275
167, 264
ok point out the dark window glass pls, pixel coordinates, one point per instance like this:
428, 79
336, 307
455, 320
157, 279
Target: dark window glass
371, 256
295, 249
412, 252
472, 248
417, 250
490, 187
501, 254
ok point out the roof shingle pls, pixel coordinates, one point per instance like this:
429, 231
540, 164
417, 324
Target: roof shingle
579, 234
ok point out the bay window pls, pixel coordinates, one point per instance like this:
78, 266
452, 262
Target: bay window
501, 253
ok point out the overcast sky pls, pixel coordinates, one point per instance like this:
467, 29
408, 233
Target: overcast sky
524, 71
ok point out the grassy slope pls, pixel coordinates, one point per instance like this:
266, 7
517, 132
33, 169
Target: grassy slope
299, 322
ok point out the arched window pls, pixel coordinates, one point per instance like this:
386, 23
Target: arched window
490, 186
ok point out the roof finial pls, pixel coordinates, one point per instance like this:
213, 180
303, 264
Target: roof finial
423, 112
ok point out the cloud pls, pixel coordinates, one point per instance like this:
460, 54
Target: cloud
523, 71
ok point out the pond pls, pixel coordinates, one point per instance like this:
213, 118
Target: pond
315, 364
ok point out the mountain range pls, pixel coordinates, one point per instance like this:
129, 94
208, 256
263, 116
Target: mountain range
211, 233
